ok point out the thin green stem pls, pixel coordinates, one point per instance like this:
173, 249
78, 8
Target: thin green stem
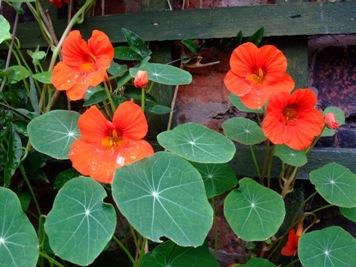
111, 101
150, 87
215, 227
123, 247
309, 198
50, 259
143, 99
27, 181
292, 263
319, 209
253, 155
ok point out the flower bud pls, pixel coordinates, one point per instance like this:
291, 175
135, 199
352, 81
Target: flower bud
141, 79
330, 121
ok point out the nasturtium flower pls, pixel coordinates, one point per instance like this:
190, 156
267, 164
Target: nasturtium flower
257, 73
291, 247
141, 79
105, 146
330, 121
292, 119
84, 64
58, 3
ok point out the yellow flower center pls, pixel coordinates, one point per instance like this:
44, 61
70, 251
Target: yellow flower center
290, 113
257, 77
112, 140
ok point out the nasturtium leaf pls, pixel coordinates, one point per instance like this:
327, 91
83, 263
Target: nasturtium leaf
17, 73
236, 101
340, 118
80, 224
329, 247
169, 254
126, 53
54, 132
349, 213
43, 77
217, 178
117, 69
290, 156
253, 211
336, 184
4, 29
258, 262
94, 95
243, 130
18, 239
164, 74
164, 196
197, 143
136, 43
13, 155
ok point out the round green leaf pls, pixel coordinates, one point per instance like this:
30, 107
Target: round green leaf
18, 239
258, 262
169, 254
164, 195
4, 29
236, 101
349, 213
336, 184
253, 211
340, 118
54, 132
80, 224
43, 77
290, 156
164, 74
329, 247
243, 130
217, 178
197, 143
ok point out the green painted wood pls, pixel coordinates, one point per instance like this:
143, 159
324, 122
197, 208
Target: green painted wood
305, 18
318, 157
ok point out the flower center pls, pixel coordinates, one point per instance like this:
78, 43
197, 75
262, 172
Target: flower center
89, 63
290, 113
257, 77
112, 140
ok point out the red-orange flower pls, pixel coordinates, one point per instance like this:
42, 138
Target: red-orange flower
58, 3
291, 247
330, 121
141, 79
292, 119
104, 146
84, 63
257, 73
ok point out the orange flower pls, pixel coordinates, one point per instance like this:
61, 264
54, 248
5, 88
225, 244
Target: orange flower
84, 63
330, 121
257, 73
141, 79
291, 247
104, 146
292, 119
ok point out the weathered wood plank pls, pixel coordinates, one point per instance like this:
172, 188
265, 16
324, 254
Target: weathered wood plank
316, 158
305, 18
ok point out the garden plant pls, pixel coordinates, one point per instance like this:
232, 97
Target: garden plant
85, 107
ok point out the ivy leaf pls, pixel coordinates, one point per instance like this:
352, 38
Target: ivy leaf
244, 131
18, 239
257, 37
94, 95
218, 178
164, 74
253, 211
4, 29
80, 224
54, 132
43, 77
349, 213
64, 176
236, 101
126, 53
197, 143
158, 109
136, 43
336, 184
169, 254
290, 156
117, 69
191, 45
169, 196
340, 118
329, 247
17, 73
13, 155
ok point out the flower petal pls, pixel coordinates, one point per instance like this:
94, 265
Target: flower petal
130, 120
93, 126
284, 84
63, 77
101, 47
271, 60
75, 50
243, 59
255, 99
236, 85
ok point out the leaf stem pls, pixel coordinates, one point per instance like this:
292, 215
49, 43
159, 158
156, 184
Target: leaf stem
108, 93
319, 209
143, 99
27, 181
253, 155
124, 248
50, 259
